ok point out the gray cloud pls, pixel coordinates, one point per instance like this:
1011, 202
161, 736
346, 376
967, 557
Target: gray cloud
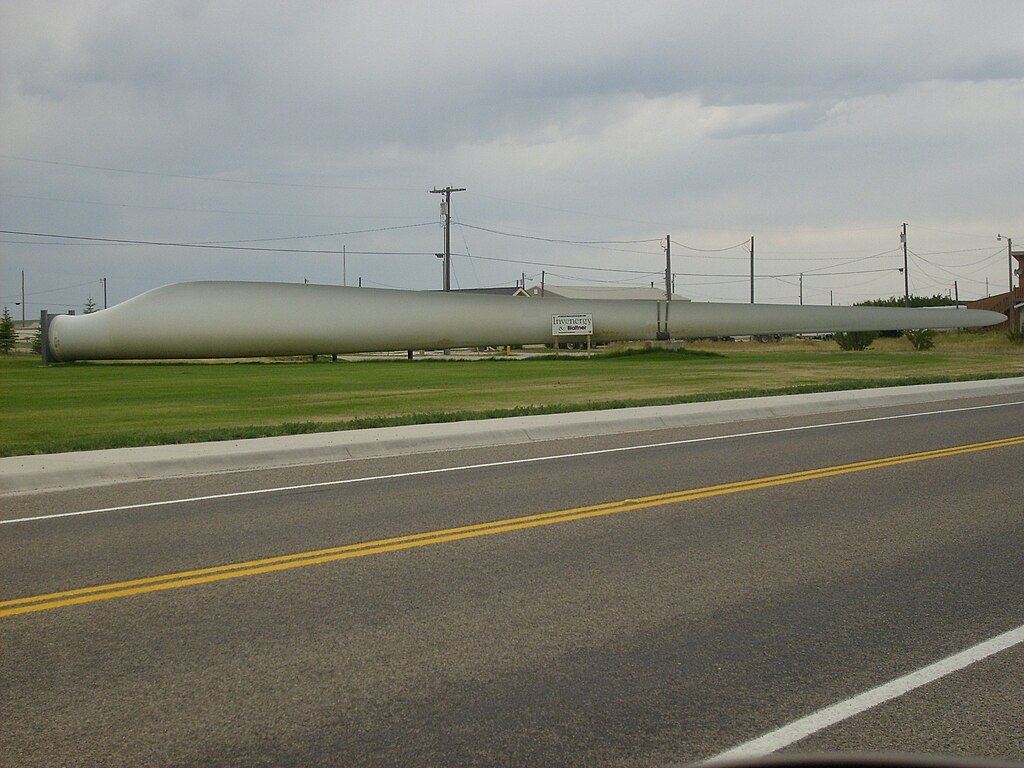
822, 126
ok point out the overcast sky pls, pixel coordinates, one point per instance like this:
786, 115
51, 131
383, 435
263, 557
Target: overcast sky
818, 128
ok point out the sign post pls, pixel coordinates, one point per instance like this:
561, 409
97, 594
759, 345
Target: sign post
572, 325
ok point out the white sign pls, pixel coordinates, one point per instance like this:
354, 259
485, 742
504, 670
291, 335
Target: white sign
572, 325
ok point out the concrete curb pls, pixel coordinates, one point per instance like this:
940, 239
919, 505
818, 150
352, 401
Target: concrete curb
61, 471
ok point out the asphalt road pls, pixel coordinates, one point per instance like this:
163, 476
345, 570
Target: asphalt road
640, 606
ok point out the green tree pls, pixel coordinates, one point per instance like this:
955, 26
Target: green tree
7, 335
938, 300
90, 306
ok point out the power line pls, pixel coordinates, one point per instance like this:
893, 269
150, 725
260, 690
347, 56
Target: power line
674, 272
849, 272
713, 250
954, 275
631, 281
209, 246
998, 252
595, 244
560, 266
222, 179
734, 281
846, 287
816, 270
309, 237
598, 243
37, 242
192, 210
948, 232
383, 285
212, 246
589, 214
62, 288
601, 242
986, 260
819, 258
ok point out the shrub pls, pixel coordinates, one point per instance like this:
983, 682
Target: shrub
921, 338
855, 341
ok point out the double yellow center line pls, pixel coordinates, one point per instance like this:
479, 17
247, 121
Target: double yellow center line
380, 546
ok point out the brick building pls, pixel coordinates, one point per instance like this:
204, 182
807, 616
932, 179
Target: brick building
1001, 302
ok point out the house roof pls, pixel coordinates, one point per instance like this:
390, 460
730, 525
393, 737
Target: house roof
602, 292
499, 290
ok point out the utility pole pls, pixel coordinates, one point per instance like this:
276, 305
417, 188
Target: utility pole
668, 267
344, 267
751, 269
906, 273
23, 297
1009, 265
446, 218
801, 289
104, 293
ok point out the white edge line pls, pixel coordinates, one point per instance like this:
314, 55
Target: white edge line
511, 462
844, 710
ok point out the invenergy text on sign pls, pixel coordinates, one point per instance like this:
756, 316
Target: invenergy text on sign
572, 325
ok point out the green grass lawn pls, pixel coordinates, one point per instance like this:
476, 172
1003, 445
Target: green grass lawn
101, 405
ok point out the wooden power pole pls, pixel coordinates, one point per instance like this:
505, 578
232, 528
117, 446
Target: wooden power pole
906, 271
668, 267
446, 215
